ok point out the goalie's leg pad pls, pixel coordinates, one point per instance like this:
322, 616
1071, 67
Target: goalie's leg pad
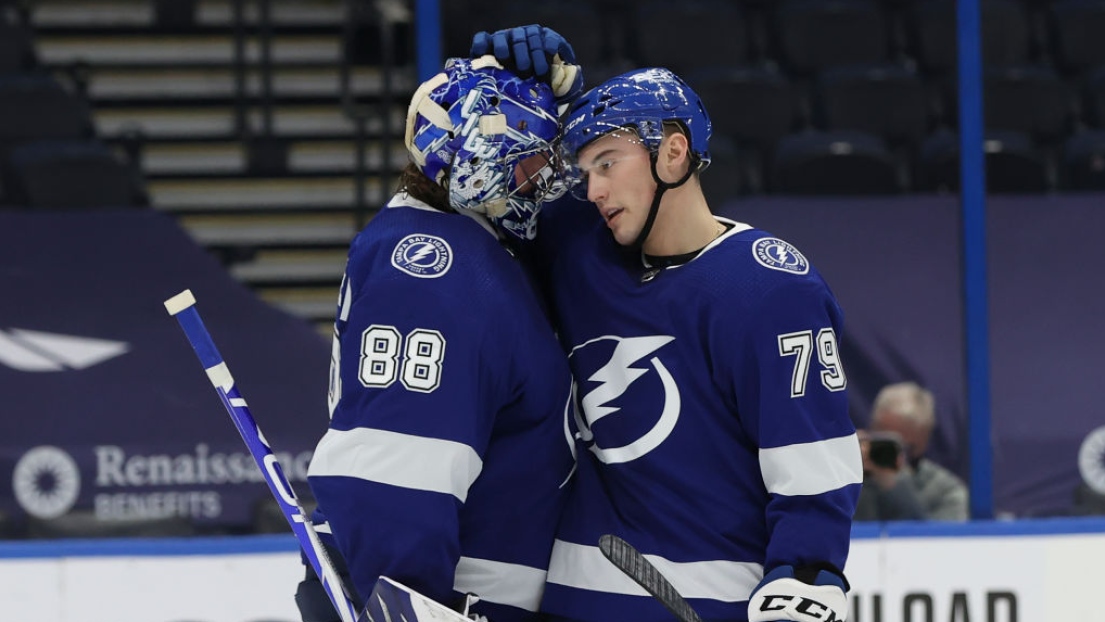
782, 596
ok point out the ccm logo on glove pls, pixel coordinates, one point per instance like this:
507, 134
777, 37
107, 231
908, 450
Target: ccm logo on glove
798, 608
781, 596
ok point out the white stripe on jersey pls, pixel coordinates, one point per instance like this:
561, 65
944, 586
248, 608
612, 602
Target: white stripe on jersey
812, 468
585, 567
500, 582
397, 459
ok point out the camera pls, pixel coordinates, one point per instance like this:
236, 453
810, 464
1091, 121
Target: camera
884, 451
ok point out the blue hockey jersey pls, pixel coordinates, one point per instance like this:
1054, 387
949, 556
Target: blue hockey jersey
445, 462
713, 419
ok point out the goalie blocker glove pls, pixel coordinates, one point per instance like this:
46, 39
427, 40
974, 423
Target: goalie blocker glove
782, 596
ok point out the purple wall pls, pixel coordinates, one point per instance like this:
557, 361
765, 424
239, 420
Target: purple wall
894, 264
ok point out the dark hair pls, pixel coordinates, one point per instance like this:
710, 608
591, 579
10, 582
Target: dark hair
415, 183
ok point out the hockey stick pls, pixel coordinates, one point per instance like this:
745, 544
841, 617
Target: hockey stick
630, 561
183, 307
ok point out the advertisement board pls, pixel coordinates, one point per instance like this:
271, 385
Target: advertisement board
106, 418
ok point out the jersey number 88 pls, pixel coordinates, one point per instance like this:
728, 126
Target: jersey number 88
384, 358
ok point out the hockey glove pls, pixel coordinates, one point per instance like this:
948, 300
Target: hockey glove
534, 50
525, 50
782, 596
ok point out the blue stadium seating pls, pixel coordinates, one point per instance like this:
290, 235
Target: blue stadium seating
1014, 164
1084, 161
816, 34
888, 100
835, 163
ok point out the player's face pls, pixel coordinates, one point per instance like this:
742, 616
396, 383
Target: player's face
619, 183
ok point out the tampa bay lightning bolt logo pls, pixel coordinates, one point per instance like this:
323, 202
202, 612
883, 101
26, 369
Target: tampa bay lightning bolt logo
423, 256
629, 401
779, 255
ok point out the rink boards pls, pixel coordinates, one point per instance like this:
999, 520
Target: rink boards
909, 572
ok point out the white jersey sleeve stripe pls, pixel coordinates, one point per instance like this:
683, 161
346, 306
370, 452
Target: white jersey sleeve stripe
585, 567
397, 459
812, 468
499, 582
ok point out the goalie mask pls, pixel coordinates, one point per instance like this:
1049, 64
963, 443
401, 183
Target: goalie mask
471, 126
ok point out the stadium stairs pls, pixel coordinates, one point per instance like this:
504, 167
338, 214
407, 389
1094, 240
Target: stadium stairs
260, 167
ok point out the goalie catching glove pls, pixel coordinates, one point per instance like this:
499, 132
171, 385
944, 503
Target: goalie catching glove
782, 596
534, 51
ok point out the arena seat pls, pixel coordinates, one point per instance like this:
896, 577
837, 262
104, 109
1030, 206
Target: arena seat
1014, 164
752, 104
1084, 161
931, 32
661, 30
17, 53
1076, 28
815, 34
36, 107
1094, 98
69, 174
834, 163
887, 100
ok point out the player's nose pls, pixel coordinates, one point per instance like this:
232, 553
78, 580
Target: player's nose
596, 192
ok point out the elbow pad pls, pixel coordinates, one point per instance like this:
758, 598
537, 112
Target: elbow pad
782, 596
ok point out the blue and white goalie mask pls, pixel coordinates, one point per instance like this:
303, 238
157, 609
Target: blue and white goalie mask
637, 104
487, 136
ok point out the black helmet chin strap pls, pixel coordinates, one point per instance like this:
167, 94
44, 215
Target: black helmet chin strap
661, 187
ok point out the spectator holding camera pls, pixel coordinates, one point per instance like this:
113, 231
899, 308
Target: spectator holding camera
899, 482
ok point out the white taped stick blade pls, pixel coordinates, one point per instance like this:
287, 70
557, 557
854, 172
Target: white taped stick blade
180, 302
393, 601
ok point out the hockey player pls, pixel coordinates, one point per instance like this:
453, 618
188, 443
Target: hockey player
445, 464
711, 398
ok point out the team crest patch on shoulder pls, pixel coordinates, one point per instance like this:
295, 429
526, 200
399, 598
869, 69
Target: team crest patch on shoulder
423, 256
779, 255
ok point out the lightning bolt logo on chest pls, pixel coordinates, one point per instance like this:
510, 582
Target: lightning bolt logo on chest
619, 373
616, 376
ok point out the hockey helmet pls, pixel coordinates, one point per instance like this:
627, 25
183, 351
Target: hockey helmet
640, 100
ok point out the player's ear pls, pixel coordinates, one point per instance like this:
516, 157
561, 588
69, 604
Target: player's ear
674, 151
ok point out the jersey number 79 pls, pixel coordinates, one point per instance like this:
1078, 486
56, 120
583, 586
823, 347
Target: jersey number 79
801, 346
